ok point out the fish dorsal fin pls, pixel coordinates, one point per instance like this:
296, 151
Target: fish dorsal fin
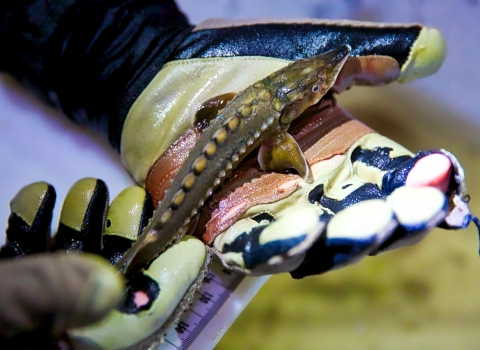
283, 153
209, 109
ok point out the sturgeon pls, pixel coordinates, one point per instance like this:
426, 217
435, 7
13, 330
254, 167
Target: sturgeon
257, 116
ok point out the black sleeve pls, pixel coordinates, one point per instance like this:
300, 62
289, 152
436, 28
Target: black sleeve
90, 58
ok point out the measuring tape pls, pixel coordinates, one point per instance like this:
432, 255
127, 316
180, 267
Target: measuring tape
222, 297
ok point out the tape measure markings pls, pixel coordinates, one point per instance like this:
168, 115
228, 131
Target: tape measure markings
217, 287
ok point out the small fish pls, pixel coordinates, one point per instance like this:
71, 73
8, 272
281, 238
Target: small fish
258, 116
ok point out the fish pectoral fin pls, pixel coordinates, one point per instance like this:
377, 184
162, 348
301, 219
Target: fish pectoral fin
209, 109
283, 153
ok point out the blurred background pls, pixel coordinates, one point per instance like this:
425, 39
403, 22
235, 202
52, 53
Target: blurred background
422, 297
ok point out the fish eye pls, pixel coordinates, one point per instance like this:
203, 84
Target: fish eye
315, 88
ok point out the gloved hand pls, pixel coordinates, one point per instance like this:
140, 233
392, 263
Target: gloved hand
43, 295
57, 292
368, 195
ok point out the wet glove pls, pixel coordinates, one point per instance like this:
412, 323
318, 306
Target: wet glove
62, 290
368, 195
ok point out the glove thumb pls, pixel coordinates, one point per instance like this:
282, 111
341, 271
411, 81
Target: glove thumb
55, 292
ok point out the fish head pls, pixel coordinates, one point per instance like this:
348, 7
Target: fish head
304, 82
